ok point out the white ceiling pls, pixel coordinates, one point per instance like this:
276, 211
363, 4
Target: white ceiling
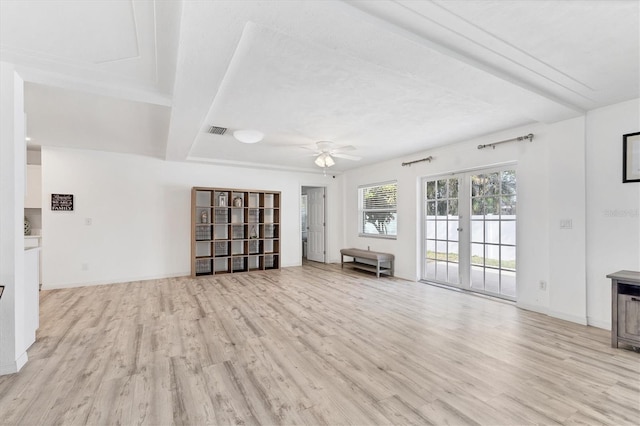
389, 77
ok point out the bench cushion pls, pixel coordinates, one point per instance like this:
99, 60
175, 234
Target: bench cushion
367, 254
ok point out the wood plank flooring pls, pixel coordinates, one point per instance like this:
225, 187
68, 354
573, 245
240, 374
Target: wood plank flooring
311, 345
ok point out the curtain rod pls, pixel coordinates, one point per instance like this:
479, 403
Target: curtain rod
408, 163
519, 138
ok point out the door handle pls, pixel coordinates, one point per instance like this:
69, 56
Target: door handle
458, 229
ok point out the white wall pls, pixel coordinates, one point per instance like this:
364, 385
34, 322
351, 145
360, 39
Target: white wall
140, 208
566, 201
13, 342
613, 218
540, 202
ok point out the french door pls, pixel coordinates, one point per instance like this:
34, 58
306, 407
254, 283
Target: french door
469, 231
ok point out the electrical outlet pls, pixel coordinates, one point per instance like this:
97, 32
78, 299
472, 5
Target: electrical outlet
85, 266
543, 285
88, 221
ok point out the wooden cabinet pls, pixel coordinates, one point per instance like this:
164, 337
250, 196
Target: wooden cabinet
625, 308
234, 230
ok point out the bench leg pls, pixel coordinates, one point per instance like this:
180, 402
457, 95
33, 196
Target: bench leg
341, 260
378, 269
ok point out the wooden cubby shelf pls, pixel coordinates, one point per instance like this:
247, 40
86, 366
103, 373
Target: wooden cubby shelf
234, 230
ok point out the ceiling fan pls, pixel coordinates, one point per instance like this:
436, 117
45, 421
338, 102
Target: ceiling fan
325, 152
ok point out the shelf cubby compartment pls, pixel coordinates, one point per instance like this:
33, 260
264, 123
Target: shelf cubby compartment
222, 265
253, 231
238, 199
237, 215
253, 215
271, 230
204, 267
239, 264
254, 247
271, 261
237, 232
221, 198
221, 232
254, 263
237, 247
271, 246
203, 215
221, 248
221, 215
203, 232
253, 200
203, 249
203, 199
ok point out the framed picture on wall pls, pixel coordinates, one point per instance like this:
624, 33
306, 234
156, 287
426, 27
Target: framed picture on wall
631, 157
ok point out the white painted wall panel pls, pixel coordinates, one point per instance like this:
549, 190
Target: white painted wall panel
140, 207
613, 218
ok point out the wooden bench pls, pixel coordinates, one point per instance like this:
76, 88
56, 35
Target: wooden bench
380, 262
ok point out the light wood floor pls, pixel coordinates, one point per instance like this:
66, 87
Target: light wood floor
311, 345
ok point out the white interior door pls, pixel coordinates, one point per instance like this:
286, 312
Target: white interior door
315, 230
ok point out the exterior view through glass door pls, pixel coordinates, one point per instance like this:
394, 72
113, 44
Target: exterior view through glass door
470, 231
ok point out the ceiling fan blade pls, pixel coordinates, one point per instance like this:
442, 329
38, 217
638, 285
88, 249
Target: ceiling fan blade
346, 157
344, 148
310, 148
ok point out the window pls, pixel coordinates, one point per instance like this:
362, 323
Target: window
378, 210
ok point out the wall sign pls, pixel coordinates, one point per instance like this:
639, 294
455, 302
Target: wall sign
631, 157
62, 202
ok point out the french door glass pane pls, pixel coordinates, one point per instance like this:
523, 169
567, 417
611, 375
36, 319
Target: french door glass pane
493, 233
441, 230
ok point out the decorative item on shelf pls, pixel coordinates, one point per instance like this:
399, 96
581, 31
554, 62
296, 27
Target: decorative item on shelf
222, 200
204, 217
237, 202
27, 227
253, 234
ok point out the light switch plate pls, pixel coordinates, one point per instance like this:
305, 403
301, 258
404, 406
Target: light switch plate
566, 224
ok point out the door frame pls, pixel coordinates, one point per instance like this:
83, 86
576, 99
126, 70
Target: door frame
463, 274
326, 223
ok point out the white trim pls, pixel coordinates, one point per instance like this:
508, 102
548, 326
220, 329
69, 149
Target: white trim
571, 318
15, 366
605, 325
115, 281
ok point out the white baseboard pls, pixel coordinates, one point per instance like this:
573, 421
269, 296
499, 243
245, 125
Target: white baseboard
554, 314
606, 325
566, 317
117, 281
533, 308
15, 366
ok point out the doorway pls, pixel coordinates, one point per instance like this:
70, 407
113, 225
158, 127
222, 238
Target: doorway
469, 231
312, 226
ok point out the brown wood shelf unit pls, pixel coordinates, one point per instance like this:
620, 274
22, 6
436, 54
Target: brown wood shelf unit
234, 230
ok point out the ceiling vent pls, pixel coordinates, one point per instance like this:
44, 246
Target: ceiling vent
214, 130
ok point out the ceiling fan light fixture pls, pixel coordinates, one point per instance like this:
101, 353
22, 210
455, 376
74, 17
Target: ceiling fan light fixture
329, 161
248, 136
324, 160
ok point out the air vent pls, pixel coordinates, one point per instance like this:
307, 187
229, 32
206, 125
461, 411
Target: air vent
217, 130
